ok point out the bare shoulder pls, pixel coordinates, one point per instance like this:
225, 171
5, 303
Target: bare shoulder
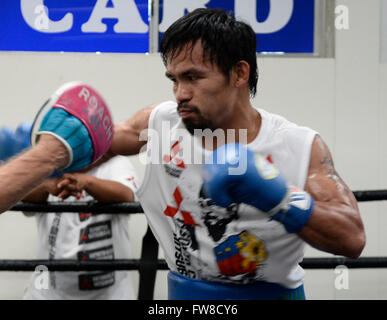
321, 157
126, 140
138, 121
323, 180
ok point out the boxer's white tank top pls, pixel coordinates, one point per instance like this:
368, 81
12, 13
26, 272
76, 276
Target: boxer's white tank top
200, 240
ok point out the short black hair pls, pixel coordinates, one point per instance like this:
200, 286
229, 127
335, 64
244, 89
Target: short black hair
225, 40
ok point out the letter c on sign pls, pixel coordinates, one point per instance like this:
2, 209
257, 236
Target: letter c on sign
31, 17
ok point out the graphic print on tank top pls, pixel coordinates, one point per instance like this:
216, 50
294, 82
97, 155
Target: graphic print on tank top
238, 256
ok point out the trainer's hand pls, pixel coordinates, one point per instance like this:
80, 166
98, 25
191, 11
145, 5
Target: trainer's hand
77, 116
71, 184
51, 186
258, 183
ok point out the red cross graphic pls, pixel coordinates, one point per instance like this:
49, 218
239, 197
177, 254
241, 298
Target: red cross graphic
80, 195
83, 236
84, 215
132, 179
85, 284
171, 211
175, 149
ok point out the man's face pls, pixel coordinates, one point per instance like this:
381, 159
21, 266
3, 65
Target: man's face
203, 93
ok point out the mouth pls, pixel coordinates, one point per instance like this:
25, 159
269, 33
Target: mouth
185, 112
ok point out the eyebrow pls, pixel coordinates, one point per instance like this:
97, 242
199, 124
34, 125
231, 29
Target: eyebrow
187, 72
168, 75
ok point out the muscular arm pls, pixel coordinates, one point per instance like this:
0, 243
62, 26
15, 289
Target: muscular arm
335, 225
22, 174
126, 140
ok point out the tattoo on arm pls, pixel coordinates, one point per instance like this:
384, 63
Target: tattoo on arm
332, 173
327, 160
324, 182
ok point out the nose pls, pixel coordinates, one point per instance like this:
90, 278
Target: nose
182, 93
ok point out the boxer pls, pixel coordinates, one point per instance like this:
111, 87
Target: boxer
226, 235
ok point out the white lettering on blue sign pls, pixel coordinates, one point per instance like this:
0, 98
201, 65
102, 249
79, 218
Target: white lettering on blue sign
174, 9
41, 21
35, 15
129, 19
38, 19
279, 15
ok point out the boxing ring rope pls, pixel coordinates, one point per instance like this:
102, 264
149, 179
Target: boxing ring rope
135, 264
148, 264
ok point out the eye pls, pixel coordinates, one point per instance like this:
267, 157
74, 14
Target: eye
192, 78
174, 84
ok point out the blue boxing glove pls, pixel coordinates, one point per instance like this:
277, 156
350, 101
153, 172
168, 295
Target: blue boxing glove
7, 142
13, 142
23, 135
235, 174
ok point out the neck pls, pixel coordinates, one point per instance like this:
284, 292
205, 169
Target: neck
247, 124
242, 126
245, 120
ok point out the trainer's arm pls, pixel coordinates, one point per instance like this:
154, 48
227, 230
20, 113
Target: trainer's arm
335, 225
101, 190
38, 195
126, 140
22, 174
108, 191
41, 193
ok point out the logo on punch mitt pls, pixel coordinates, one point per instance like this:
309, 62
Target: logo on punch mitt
84, 103
87, 105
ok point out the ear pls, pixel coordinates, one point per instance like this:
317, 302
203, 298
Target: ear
241, 73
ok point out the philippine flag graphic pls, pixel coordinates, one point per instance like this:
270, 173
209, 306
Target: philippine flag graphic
240, 254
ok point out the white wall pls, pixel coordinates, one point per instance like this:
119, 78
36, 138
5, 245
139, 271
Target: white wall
344, 98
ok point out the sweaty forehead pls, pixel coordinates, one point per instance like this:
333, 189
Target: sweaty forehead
188, 54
